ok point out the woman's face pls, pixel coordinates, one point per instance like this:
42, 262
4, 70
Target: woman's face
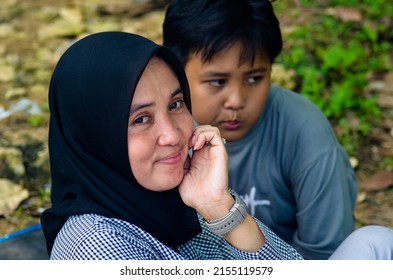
159, 129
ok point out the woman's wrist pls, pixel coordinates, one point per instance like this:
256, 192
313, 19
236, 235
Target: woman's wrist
234, 217
218, 209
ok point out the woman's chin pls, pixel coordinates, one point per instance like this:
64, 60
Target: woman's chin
166, 185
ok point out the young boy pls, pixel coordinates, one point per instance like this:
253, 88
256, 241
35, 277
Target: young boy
284, 159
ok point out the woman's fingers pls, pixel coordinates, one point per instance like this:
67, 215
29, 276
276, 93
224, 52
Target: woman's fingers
205, 135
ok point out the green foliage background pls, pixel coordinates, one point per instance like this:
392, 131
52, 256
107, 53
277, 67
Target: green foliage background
334, 59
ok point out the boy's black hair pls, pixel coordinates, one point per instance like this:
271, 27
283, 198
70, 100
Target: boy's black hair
209, 26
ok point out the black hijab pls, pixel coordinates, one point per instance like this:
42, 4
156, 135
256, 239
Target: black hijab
90, 94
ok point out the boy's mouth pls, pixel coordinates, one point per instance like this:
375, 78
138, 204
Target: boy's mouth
232, 125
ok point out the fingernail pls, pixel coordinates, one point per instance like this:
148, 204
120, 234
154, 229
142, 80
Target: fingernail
192, 140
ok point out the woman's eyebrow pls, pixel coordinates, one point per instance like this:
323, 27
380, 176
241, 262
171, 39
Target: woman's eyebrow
176, 92
136, 107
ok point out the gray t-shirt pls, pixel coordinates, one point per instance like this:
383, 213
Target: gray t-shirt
294, 175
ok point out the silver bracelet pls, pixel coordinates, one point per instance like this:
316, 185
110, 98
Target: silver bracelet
235, 217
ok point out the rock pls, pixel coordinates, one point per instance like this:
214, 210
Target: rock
42, 160
61, 28
6, 30
72, 15
12, 159
149, 25
39, 93
7, 73
102, 24
130, 7
25, 136
15, 93
69, 24
11, 195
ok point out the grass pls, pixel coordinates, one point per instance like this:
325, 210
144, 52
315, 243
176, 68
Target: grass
334, 47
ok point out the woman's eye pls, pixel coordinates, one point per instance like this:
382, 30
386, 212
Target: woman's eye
141, 120
177, 104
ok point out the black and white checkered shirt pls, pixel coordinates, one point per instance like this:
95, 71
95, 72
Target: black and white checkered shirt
91, 236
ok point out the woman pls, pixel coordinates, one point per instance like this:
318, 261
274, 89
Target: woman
123, 184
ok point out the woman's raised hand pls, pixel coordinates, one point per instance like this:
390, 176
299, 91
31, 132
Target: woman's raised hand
205, 184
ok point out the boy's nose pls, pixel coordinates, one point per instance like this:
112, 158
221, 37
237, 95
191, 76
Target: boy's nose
235, 99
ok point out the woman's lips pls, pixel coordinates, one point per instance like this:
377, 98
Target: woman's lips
232, 125
171, 159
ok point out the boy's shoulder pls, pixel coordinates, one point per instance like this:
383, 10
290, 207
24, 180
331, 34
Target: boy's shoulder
292, 112
291, 104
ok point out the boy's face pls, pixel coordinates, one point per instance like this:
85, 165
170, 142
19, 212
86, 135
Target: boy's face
226, 94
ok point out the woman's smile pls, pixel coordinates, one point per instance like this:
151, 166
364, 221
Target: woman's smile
171, 159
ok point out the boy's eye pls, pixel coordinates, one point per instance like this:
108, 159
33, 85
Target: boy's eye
217, 83
176, 105
253, 80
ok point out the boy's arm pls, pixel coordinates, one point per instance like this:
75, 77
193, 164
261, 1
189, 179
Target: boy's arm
325, 193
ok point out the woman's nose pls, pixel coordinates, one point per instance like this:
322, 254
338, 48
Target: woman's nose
170, 133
